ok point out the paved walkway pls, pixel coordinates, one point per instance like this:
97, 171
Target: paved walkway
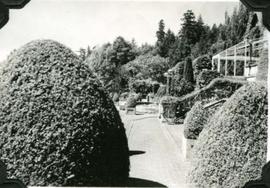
157, 150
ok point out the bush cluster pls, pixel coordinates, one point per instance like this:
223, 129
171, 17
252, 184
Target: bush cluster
143, 86
182, 87
58, 127
195, 120
205, 77
201, 63
231, 149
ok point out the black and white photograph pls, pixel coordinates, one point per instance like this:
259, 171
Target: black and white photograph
134, 93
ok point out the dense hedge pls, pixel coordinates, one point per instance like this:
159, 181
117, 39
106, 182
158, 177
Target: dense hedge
205, 77
58, 127
218, 88
195, 121
231, 149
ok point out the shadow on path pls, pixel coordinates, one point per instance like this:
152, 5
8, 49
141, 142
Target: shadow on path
137, 182
136, 152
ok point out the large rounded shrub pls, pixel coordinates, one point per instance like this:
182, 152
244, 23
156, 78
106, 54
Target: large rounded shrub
57, 125
231, 148
195, 120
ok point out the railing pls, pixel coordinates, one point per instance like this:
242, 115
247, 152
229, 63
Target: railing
240, 60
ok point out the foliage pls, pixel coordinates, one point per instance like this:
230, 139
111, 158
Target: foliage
201, 63
164, 40
182, 87
205, 77
233, 30
140, 86
228, 147
160, 39
106, 71
84, 53
188, 71
195, 120
106, 62
59, 123
178, 70
121, 52
147, 67
132, 101
218, 88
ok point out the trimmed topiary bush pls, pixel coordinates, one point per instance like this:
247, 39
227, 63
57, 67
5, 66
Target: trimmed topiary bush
188, 71
205, 77
231, 149
195, 120
58, 127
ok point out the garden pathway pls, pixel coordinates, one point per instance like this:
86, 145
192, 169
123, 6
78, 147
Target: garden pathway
162, 161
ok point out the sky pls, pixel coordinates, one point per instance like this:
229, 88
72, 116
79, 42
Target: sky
79, 23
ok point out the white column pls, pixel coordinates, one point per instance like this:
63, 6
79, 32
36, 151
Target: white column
268, 131
226, 63
234, 62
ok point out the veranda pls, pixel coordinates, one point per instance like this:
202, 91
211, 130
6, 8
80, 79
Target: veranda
240, 60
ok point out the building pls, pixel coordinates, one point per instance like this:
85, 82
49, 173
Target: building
247, 59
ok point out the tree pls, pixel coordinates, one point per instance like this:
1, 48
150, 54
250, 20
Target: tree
147, 66
189, 28
122, 51
169, 40
188, 71
160, 34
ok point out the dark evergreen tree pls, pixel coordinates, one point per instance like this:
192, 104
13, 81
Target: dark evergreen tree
168, 42
160, 34
188, 70
189, 28
121, 52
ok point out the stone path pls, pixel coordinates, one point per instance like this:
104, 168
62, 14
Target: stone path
157, 150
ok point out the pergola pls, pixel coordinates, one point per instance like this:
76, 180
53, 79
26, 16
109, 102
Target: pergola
240, 58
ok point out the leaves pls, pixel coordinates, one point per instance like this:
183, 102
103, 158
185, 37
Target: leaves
58, 125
